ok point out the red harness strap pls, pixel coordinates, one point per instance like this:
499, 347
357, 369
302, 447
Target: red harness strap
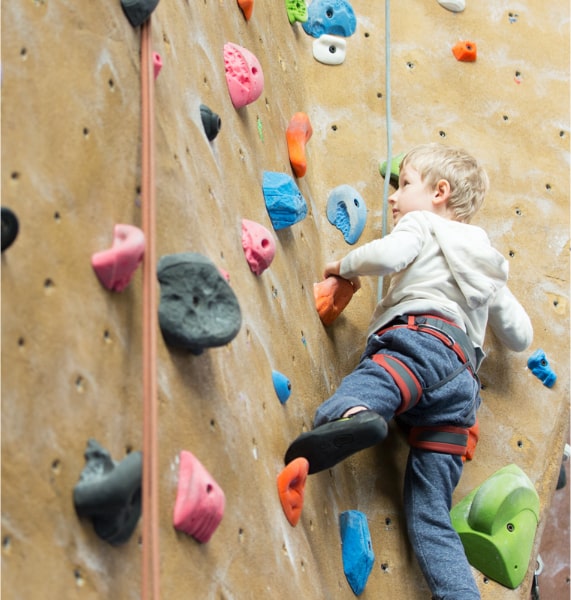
406, 380
440, 438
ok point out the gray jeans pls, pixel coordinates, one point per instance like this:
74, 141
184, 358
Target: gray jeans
431, 477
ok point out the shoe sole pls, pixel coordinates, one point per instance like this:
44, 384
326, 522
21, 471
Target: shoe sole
329, 444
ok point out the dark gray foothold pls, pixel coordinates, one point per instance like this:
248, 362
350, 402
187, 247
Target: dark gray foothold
109, 493
198, 308
10, 228
138, 11
210, 121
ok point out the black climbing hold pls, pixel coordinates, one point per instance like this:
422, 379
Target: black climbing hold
138, 11
210, 121
198, 308
109, 493
10, 228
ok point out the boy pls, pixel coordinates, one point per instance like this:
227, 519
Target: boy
423, 350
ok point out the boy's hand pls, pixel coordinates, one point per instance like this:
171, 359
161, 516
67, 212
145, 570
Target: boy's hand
332, 268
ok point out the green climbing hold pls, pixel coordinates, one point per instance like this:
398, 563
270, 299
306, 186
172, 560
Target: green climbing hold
497, 523
395, 167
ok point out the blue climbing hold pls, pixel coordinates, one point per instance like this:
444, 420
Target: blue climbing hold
539, 366
286, 206
357, 549
282, 386
347, 211
332, 17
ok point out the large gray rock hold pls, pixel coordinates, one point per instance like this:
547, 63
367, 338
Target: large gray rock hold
198, 308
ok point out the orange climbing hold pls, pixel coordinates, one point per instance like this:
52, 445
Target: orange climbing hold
247, 7
291, 488
465, 51
297, 134
331, 297
473, 436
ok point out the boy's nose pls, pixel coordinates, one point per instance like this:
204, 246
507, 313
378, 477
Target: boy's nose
393, 197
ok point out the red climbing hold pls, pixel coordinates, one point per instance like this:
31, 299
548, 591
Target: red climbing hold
157, 64
297, 135
465, 51
291, 488
247, 7
200, 501
331, 297
115, 267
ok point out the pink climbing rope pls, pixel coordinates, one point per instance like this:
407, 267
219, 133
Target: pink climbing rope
150, 566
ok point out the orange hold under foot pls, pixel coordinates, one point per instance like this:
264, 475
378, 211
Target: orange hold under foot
291, 488
331, 297
247, 7
465, 51
297, 134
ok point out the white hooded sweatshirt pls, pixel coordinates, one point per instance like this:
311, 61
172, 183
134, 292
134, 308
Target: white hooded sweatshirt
443, 268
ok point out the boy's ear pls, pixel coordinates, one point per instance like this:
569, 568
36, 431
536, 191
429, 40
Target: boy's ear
441, 192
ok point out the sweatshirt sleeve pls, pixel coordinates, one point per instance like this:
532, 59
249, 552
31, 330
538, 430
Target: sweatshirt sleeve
383, 257
509, 321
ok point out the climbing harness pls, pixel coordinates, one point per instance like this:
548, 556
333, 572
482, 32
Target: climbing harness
440, 438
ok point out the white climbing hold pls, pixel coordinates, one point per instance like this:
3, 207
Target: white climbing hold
453, 5
330, 49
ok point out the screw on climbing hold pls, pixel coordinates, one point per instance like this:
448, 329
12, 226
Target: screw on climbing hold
298, 133
244, 75
247, 8
331, 297
497, 522
284, 202
198, 309
395, 168
109, 493
356, 549
291, 488
453, 5
115, 267
346, 210
138, 11
210, 121
259, 246
296, 11
330, 49
200, 501
333, 17
465, 51
282, 386
157, 64
10, 228
538, 364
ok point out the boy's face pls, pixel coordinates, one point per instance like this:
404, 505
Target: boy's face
412, 194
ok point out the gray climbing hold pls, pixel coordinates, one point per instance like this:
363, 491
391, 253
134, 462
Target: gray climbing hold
109, 493
346, 210
333, 17
198, 308
210, 121
284, 202
138, 11
357, 550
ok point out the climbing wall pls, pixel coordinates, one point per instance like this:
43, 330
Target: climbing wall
72, 350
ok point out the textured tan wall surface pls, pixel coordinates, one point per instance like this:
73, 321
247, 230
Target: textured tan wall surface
71, 350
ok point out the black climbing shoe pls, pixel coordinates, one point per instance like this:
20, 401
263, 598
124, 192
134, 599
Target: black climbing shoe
333, 442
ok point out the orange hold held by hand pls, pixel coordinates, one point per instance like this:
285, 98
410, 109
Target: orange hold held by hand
298, 133
465, 51
291, 488
331, 297
247, 7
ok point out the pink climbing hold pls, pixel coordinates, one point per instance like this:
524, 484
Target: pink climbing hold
244, 75
200, 501
115, 267
259, 246
157, 64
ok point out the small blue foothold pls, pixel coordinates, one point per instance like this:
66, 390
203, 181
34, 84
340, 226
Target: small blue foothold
331, 17
347, 211
286, 206
539, 366
282, 386
357, 549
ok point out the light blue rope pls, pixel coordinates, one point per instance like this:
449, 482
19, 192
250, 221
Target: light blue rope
389, 128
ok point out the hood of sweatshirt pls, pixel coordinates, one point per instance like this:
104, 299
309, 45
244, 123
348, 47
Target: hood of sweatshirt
479, 274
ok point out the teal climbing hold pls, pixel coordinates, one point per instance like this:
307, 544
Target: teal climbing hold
282, 386
357, 549
284, 202
332, 17
538, 364
497, 523
347, 211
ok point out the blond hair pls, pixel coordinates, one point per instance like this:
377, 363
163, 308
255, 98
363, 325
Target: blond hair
468, 180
